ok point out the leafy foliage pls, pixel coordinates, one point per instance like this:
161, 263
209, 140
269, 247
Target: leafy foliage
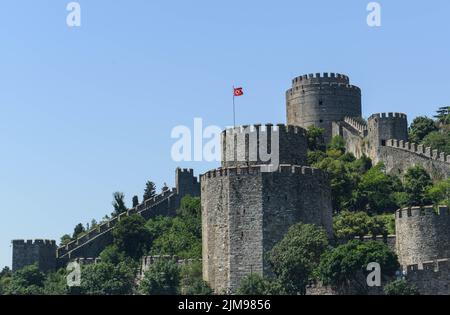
119, 203
132, 237
348, 225
191, 280
149, 191
417, 182
108, 279
254, 284
400, 287
295, 257
78, 230
420, 128
27, 281
315, 138
438, 141
135, 201
162, 278
179, 236
375, 191
345, 265
439, 193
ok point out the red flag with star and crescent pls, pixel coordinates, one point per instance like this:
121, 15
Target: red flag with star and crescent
238, 91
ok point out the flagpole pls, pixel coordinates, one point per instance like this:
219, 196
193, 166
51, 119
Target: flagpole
234, 109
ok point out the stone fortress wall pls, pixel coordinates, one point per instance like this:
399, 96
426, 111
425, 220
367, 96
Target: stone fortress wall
384, 138
423, 247
40, 252
246, 209
92, 243
253, 145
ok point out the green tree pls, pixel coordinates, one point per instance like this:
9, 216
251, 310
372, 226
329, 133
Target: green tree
400, 287
443, 115
337, 143
342, 180
295, 257
111, 254
56, 283
131, 237
107, 279
420, 128
78, 231
344, 267
179, 239
439, 193
191, 280
149, 191
5, 279
417, 182
179, 236
27, 281
438, 141
316, 157
375, 191
315, 138
135, 201
65, 239
255, 284
119, 203
348, 225
163, 278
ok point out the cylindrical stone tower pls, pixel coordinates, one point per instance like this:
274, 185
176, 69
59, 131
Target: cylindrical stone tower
246, 209
319, 100
422, 235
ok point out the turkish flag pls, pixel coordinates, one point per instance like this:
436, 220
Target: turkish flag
238, 91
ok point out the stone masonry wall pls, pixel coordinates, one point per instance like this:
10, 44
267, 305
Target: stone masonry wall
399, 156
320, 99
422, 234
246, 211
96, 240
430, 278
40, 252
253, 145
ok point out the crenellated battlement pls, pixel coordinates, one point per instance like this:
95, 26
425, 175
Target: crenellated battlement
357, 123
29, 252
263, 144
254, 170
322, 86
34, 242
321, 77
422, 211
268, 127
111, 223
419, 149
389, 116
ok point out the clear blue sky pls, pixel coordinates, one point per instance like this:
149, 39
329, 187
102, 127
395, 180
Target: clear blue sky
86, 112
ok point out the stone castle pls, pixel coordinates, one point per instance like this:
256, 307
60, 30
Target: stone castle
248, 204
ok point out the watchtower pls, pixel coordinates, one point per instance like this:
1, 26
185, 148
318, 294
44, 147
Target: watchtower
321, 99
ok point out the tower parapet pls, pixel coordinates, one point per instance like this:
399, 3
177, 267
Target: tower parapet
385, 126
39, 252
423, 234
264, 144
321, 99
